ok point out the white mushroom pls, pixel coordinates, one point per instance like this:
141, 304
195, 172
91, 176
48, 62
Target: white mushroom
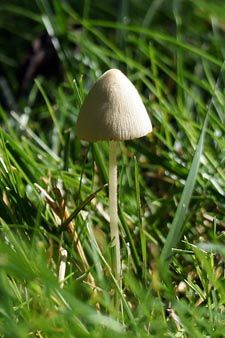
114, 111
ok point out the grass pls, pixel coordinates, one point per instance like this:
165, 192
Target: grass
54, 190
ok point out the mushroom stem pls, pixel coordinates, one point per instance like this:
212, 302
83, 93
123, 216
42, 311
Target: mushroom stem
113, 209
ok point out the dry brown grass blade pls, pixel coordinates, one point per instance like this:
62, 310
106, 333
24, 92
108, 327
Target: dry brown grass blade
62, 214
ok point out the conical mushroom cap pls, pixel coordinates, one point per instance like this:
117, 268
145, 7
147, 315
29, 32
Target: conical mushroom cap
113, 110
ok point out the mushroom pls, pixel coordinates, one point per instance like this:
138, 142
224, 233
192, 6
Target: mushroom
113, 111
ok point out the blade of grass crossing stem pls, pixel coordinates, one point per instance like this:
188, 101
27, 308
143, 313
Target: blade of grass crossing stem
138, 201
176, 228
100, 162
80, 207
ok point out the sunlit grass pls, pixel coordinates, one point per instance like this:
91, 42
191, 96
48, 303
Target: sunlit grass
171, 184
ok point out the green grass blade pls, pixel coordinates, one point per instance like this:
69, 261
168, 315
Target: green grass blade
50, 109
98, 157
138, 201
81, 207
154, 35
177, 225
128, 233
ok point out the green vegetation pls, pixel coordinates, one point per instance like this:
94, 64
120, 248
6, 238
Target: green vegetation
53, 188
